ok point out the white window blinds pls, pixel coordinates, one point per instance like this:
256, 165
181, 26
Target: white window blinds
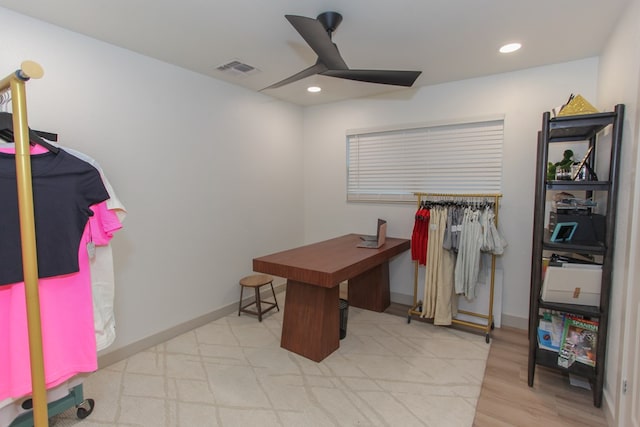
452, 158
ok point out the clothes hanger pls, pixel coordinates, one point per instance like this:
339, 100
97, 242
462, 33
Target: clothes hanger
6, 133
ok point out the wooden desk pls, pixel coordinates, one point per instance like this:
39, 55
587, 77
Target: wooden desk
311, 313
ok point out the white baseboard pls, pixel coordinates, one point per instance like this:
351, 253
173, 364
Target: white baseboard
402, 299
515, 321
109, 358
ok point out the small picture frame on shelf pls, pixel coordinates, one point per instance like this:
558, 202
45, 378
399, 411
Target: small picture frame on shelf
563, 232
582, 171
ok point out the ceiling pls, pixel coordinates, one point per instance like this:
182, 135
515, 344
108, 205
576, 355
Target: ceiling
447, 40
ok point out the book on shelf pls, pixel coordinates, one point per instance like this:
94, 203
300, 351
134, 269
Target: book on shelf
578, 344
550, 329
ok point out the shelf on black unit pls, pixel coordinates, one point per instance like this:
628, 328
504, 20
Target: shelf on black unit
578, 128
583, 310
595, 248
550, 359
578, 185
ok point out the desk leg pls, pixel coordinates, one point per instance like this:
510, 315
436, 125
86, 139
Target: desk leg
311, 323
370, 290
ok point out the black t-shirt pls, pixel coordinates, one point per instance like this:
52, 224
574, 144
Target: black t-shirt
64, 187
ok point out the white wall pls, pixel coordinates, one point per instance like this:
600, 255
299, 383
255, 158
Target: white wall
211, 174
619, 82
520, 96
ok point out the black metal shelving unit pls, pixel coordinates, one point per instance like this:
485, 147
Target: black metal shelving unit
589, 128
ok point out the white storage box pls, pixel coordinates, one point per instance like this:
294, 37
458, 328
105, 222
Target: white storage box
573, 284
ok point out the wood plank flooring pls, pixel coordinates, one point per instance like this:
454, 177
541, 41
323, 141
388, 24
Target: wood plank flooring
507, 401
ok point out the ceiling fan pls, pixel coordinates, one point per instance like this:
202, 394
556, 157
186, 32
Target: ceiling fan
317, 33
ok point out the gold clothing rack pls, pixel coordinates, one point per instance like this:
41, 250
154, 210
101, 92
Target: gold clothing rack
413, 311
16, 83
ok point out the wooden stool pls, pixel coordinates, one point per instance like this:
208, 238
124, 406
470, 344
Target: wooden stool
256, 281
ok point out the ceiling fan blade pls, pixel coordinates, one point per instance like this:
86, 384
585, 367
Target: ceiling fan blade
385, 77
319, 40
318, 68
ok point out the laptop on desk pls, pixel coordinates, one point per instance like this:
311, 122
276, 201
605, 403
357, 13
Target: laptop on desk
374, 242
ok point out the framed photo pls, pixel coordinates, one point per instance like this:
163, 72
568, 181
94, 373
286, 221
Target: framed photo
563, 231
582, 164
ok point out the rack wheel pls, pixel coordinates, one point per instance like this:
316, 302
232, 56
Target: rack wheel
409, 318
487, 338
85, 408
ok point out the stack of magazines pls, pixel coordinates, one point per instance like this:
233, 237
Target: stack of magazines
572, 337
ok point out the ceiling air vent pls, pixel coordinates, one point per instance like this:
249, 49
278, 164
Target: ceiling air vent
237, 68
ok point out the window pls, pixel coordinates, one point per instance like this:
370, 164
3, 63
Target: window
390, 165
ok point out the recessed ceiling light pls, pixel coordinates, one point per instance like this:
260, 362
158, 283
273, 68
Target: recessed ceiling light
314, 89
511, 47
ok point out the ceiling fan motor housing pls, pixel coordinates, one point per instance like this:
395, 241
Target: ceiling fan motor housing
330, 21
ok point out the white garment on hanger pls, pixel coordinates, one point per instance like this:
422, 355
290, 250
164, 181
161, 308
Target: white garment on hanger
468, 261
102, 274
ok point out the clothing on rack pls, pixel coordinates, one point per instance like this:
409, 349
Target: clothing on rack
468, 262
479, 234
420, 235
68, 336
450, 235
438, 289
63, 189
433, 260
67, 314
492, 240
451, 239
101, 265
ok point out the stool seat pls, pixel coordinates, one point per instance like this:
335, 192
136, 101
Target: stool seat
256, 281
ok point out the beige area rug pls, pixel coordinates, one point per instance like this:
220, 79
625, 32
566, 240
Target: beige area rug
232, 372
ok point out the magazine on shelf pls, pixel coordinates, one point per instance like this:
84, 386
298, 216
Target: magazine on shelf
578, 343
550, 329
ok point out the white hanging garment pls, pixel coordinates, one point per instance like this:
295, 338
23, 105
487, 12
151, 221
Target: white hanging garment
468, 261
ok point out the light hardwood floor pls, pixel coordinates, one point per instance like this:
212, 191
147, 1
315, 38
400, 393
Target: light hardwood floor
506, 400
